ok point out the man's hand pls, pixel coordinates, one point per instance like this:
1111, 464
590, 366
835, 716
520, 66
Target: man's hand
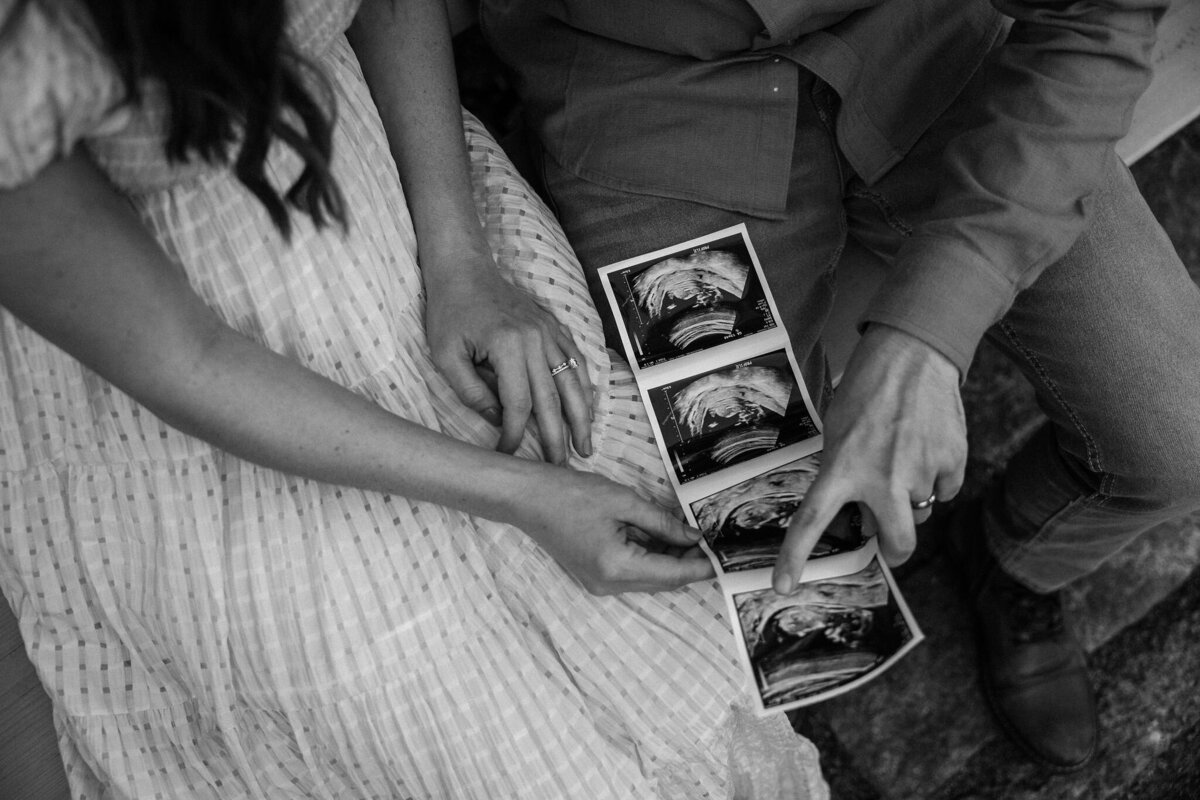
894, 434
496, 346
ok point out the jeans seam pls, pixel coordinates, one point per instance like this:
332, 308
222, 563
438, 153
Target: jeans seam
836, 258
1093, 452
825, 114
837, 254
890, 217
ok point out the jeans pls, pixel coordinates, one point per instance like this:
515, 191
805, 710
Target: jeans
1109, 335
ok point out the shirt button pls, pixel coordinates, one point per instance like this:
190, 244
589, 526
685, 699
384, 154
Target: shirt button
776, 60
774, 88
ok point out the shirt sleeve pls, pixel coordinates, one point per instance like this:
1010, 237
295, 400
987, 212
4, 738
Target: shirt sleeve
56, 87
1017, 183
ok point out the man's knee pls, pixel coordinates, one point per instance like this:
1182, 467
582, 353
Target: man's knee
1157, 463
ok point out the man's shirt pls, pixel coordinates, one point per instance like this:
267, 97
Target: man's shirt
697, 100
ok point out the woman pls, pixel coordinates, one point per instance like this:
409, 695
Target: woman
257, 543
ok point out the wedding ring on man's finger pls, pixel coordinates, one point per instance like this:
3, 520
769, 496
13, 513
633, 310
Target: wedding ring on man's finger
926, 503
570, 363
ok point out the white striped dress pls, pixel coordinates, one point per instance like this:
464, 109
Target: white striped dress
208, 628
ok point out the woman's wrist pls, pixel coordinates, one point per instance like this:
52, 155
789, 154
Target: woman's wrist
461, 258
505, 486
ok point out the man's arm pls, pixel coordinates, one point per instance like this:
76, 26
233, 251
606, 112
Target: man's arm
1054, 99
1017, 183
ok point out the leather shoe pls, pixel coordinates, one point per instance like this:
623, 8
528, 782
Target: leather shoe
1034, 672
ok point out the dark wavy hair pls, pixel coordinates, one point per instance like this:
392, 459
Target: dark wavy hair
234, 84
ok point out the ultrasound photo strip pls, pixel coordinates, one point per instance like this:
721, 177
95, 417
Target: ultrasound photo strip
737, 429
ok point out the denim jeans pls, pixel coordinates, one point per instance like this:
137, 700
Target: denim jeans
1109, 335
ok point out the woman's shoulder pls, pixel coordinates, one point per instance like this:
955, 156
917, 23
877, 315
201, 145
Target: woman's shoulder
58, 85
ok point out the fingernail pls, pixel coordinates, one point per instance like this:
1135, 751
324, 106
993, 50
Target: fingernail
784, 583
587, 448
492, 415
693, 533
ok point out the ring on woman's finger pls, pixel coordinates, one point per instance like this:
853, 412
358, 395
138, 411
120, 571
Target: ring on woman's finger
926, 503
570, 363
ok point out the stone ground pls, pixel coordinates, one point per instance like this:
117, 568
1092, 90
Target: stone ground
922, 731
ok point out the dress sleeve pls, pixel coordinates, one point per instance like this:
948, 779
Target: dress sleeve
56, 86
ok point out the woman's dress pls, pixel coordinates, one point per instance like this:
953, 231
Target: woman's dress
209, 628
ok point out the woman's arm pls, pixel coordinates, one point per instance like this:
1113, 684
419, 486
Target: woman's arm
474, 316
78, 267
106, 294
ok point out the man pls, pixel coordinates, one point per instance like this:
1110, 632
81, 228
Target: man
968, 146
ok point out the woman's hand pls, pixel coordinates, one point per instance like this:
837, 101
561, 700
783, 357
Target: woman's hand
493, 343
608, 537
496, 347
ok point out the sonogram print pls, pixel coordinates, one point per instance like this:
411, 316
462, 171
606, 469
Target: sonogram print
825, 634
745, 524
731, 414
691, 301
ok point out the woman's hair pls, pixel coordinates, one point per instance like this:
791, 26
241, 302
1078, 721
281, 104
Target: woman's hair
232, 80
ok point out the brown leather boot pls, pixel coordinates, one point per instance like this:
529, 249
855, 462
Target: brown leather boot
1033, 671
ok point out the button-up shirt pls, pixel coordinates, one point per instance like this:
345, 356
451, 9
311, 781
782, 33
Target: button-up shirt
697, 100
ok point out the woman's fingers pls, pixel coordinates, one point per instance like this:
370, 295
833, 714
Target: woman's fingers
559, 390
575, 391
496, 346
567, 343
516, 399
658, 523
659, 548
522, 362
472, 389
547, 405
661, 572
611, 539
